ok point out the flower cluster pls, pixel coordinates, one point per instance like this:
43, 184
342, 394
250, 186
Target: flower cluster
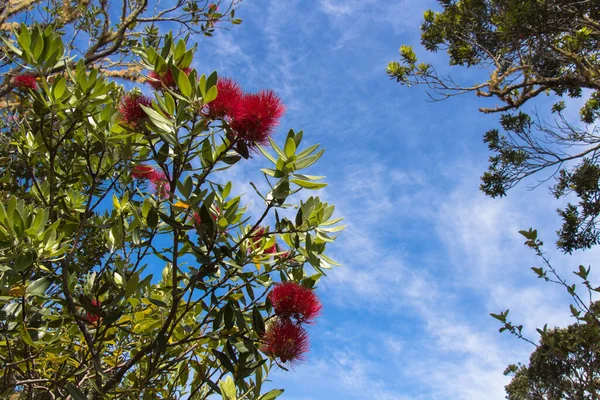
24, 82
92, 316
157, 178
292, 301
165, 80
228, 102
285, 340
131, 109
285, 337
252, 116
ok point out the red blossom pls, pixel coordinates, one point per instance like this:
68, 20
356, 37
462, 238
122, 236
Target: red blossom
160, 183
157, 178
131, 110
142, 171
198, 219
257, 234
259, 114
228, 102
91, 316
159, 81
286, 341
24, 82
285, 255
272, 249
291, 300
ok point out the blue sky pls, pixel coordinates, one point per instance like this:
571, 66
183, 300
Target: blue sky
426, 256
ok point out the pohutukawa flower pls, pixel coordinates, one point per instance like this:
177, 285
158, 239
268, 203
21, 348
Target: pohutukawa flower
291, 300
160, 183
285, 255
91, 316
257, 234
131, 110
142, 171
228, 102
259, 114
286, 341
24, 82
272, 249
198, 219
159, 81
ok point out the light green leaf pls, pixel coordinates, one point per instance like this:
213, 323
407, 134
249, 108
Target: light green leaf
308, 184
273, 394
38, 287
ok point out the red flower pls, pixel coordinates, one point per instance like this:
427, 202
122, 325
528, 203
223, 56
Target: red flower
91, 316
160, 183
142, 171
272, 249
257, 235
259, 114
291, 300
24, 82
158, 81
197, 219
228, 102
131, 110
286, 341
285, 255
157, 178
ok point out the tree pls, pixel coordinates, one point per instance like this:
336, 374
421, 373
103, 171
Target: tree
99, 186
566, 362
103, 38
566, 365
529, 48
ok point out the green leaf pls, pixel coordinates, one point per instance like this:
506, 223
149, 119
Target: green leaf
308, 161
59, 88
132, 285
500, 317
228, 391
273, 394
266, 154
23, 261
157, 302
574, 311
38, 287
308, 184
152, 218
75, 392
277, 149
158, 120
290, 147
211, 94
183, 83
308, 151
257, 321
212, 80
224, 360
282, 190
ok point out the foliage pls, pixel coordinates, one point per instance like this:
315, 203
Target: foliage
566, 362
565, 365
528, 48
104, 32
99, 188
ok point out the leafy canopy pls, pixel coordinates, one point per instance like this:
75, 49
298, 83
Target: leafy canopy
528, 48
99, 190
